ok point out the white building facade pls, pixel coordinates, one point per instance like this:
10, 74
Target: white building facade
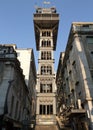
27, 63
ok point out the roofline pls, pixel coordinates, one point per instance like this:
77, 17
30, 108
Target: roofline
24, 49
80, 23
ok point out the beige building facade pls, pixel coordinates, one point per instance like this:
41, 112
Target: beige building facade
75, 78
46, 26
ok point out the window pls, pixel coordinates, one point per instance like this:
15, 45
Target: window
46, 88
46, 43
91, 54
51, 109
86, 26
12, 106
74, 67
16, 109
46, 33
91, 74
46, 55
43, 70
47, 70
46, 109
90, 39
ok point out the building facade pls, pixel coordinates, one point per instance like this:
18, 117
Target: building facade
60, 89
77, 77
27, 63
46, 27
14, 101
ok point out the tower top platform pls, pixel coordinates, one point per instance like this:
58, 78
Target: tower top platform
46, 18
46, 10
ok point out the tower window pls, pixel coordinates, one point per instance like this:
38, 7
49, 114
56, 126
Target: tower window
46, 33
49, 70
46, 70
46, 43
46, 109
46, 55
45, 88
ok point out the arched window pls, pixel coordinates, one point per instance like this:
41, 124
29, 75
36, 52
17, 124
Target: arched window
48, 43
46, 33
42, 43
48, 55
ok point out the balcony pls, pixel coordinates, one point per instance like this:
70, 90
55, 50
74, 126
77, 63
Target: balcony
76, 113
46, 16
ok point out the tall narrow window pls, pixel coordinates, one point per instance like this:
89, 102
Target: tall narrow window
48, 112
48, 33
44, 33
91, 74
48, 43
16, 109
51, 109
49, 55
46, 109
40, 109
91, 54
12, 106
